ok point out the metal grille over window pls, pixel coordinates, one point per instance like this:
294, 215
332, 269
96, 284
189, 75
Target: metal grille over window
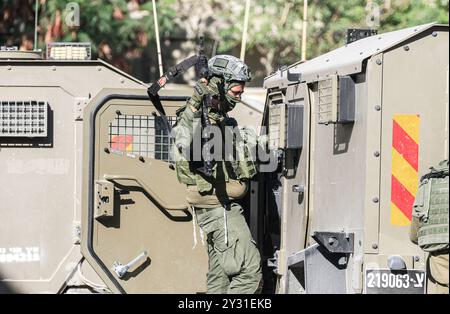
277, 119
68, 51
23, 119
328, 100
138, 135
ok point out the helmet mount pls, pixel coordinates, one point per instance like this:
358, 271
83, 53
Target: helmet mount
229, 68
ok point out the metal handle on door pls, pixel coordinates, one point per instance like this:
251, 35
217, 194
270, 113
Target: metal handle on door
121, 270
142, 184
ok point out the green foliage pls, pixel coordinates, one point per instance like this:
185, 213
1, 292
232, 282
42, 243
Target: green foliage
165, 15
330, 19
415, 12
275, 27
97, 24
274, 32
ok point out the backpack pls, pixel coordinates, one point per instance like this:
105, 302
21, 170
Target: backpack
431, 208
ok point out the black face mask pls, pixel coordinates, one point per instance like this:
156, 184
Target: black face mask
224, 102
228, 103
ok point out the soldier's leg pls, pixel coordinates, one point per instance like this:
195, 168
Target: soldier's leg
209, 220
216, 279
248, 278
438, 276
234, 250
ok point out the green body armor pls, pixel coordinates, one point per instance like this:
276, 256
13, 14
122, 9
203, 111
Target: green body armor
431, 208
242, 169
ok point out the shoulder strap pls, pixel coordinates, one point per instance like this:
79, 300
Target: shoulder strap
153, 90
437, 174
440, 171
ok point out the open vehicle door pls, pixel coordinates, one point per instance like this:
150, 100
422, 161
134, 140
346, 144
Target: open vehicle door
137, 230
287, 117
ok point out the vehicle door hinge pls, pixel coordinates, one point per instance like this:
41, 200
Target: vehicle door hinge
80, 103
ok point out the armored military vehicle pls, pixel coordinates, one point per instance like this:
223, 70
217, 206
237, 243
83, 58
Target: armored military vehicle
354, 129
90, 199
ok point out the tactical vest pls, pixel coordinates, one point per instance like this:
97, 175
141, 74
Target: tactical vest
243, 164
244, 168
431, 207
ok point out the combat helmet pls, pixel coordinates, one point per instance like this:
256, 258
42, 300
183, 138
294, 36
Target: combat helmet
230, 68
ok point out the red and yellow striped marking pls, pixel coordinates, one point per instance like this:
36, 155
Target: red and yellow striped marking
122, 143
405, 166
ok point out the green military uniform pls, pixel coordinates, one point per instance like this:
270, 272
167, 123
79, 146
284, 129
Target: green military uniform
429, 228
234, 260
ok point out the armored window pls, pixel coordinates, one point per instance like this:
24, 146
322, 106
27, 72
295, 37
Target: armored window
139, 135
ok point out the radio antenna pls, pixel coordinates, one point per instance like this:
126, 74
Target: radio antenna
35, 24
158, 46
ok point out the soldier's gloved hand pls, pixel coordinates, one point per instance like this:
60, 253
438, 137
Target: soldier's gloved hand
200, 90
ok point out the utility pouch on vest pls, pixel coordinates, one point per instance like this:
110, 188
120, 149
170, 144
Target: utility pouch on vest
431, 208
422, 201
245, 166
180, 110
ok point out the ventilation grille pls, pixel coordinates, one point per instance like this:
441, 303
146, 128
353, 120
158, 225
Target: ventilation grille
23, 119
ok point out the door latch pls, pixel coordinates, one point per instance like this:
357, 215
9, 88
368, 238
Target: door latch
121, 270
300, 189
104, 199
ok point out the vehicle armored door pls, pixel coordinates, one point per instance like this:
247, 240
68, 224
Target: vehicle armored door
288, 124
137, 229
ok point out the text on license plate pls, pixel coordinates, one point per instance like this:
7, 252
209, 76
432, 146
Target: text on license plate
388, 281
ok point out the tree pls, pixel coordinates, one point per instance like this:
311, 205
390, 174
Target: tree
275, 26
331, 18
115, 28
122, 30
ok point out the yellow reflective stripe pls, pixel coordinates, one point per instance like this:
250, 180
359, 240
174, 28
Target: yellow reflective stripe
397, 217
404, 172
410, 123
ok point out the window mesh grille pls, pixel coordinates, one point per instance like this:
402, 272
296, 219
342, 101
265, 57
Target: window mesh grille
141, 135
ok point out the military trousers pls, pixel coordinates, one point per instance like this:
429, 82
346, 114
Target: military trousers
234, 260
437, 269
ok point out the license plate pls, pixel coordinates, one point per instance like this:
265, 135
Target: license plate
386, 281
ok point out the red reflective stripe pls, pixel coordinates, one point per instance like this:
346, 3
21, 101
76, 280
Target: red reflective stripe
405, 145
401, 197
